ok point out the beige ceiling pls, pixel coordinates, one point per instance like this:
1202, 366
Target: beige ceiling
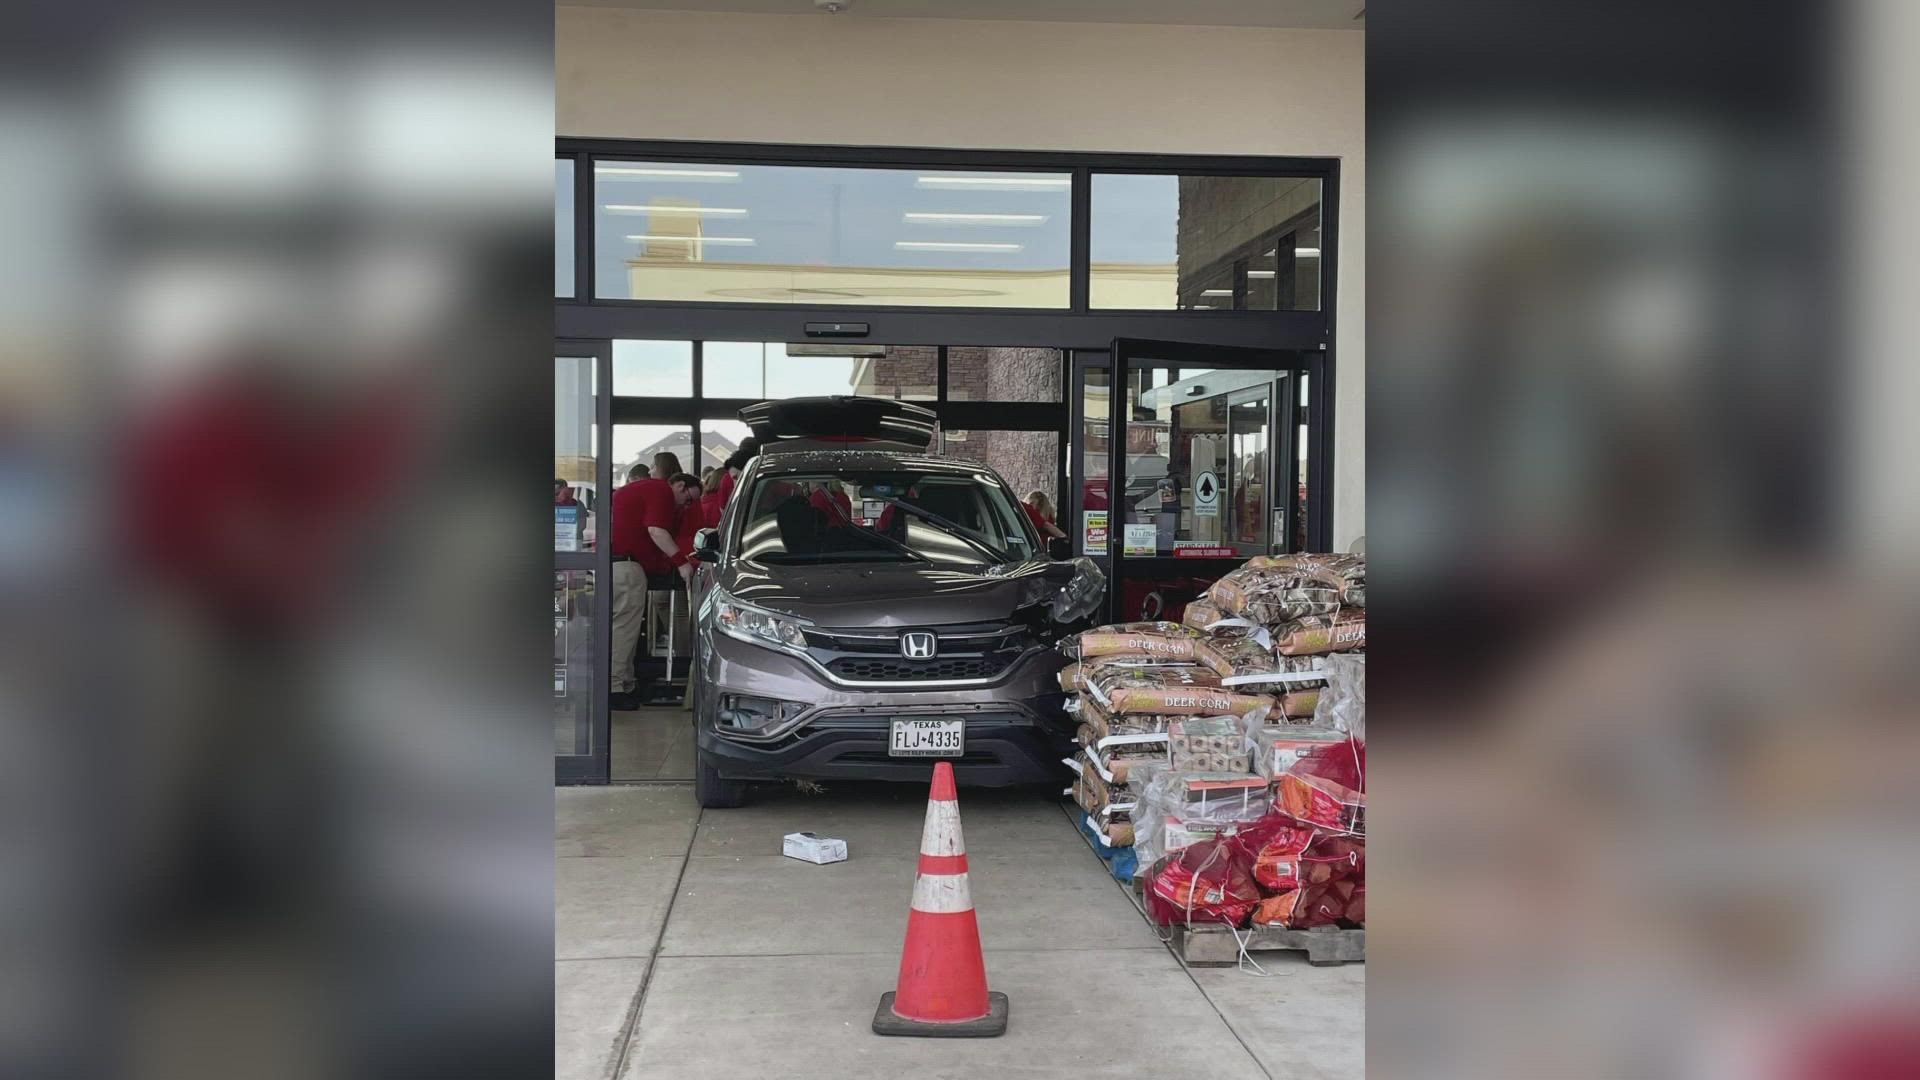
1293, 14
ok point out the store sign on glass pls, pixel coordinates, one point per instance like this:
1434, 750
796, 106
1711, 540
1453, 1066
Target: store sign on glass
1093, 532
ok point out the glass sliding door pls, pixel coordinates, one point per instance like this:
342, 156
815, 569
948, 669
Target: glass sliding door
1200, 466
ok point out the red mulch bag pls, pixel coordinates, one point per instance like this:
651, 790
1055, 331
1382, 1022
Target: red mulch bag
1357, 907
1272, 847
1277, 910
1325, 904
1315, 905
1333, 858
1327, 787
1202, 882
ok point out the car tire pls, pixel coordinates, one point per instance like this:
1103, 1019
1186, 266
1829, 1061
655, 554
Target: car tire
714, 791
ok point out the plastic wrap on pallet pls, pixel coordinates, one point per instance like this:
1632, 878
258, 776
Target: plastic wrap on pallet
1176, 809
1343, 704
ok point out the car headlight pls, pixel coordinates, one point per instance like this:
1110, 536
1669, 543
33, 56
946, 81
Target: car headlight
758, 625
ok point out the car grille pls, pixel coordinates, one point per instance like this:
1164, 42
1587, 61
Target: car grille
956, 667
973, 651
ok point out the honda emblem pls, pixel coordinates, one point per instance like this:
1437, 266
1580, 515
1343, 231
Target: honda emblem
918, 645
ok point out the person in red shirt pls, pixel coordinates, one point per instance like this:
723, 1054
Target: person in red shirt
645, 516
749, 448
686, 497
1039, 510
713, 501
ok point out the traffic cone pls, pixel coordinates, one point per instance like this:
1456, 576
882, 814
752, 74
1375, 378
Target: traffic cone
943, 976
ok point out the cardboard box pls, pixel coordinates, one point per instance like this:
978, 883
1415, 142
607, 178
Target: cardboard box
814, 849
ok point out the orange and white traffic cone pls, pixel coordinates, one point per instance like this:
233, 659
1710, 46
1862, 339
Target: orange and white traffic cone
943, 975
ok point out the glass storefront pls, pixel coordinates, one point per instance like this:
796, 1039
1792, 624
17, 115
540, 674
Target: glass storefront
709, 275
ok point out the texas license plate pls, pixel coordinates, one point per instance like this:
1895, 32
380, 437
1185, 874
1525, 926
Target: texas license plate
927, 738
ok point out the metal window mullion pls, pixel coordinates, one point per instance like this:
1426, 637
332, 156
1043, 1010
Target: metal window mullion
1079, 244
602, 749
584, 287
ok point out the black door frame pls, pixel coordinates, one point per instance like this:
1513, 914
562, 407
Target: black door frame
1123, 357
595, 766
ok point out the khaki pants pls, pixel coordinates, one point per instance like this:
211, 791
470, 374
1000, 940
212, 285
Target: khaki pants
629, 601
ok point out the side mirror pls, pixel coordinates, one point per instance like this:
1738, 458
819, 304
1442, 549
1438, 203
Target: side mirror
1060, 548
706, 545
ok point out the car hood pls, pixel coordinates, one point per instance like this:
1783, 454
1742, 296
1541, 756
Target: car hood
890, 594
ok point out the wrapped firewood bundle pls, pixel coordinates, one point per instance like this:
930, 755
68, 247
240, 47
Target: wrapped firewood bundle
1155, 640
1345, 573
1207, 744
1175, 809
1192, 691
1278, 747
1313, 634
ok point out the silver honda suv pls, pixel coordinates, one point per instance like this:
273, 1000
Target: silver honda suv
864, 609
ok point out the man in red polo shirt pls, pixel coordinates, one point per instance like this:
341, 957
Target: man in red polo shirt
693, 517
643, 545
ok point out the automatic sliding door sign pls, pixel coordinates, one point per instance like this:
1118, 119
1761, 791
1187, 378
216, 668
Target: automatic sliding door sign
1206, 495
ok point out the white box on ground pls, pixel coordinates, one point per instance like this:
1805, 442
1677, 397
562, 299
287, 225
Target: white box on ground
814, 849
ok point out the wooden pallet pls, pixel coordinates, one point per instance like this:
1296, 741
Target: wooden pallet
1215, 946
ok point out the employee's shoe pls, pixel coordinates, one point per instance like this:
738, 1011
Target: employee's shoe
623, 701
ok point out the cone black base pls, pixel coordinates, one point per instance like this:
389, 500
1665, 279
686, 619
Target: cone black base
887, 1022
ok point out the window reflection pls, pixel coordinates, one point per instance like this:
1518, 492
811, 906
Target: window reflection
1201, 243
771, 370
804, 234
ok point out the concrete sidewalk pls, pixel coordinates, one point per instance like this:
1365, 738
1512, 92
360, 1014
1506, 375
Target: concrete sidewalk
686, 946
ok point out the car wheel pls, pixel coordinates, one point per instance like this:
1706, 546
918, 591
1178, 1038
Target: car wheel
714, 791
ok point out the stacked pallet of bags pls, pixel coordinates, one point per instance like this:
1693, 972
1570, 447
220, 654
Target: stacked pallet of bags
1260, 818
1131, 685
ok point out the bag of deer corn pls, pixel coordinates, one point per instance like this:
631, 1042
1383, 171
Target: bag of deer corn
1198, 615
1165, 641
1273, 596
1322, 634
1102, 724
1172, 690
1344, 572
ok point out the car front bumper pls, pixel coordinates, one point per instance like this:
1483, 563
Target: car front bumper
1016, 732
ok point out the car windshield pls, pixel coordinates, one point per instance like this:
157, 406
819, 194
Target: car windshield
870, 515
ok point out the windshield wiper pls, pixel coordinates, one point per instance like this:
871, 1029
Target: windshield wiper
945, 525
